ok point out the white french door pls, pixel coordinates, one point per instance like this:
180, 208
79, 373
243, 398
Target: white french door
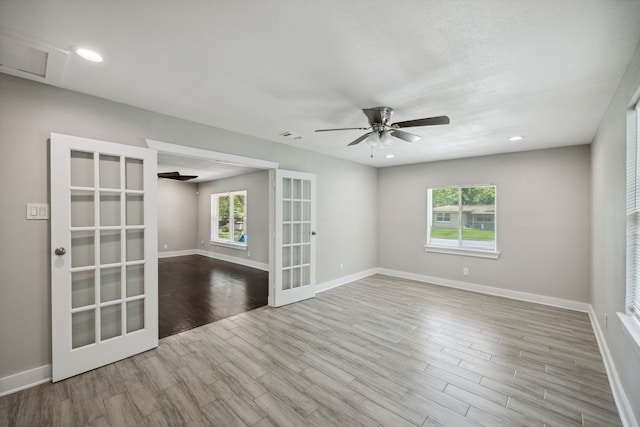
104, 270
295, 246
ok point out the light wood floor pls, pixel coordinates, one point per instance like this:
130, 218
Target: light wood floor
379, 351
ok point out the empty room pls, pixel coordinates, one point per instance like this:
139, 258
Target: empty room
441, 201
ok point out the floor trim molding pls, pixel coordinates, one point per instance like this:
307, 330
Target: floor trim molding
171, 254
25, 379
490, 290
622, 401
325, 286
236, 260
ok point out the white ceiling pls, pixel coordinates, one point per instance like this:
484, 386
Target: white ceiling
206, 170
545, 69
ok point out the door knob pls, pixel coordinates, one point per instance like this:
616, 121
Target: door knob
60, 251
313, 233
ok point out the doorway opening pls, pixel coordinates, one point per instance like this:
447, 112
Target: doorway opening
205, 274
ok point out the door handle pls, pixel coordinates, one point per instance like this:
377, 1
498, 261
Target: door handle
313, 233
60, 251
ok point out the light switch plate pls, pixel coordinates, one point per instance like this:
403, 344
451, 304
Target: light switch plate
37, 211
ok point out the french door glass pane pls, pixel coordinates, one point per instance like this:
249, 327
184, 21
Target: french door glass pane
286, 279
110, 321
82, 209
134, 174
286, 210
135, 315
109, 209
296, 189
109, 171
286, 256
135, 209
83, 328
110, 247
135, 280
296, 230
135, 245
82, 169
295, 277
286, 188
306, 276
83, 288
110, 284
82, 248
286, 234
295, 255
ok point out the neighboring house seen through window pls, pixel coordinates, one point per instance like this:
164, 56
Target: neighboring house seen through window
228, 218
462, 218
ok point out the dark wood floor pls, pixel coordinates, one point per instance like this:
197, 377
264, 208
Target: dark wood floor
194, 290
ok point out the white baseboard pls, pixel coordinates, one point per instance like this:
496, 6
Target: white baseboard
622, 401
325, 286
26, 379
235, 260
177, 253
490, 290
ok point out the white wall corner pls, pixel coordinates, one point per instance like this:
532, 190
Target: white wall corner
25, 379
622, 401
325, 286
236, 260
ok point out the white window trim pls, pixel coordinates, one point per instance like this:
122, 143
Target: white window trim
477, 253
214, 220
631, 321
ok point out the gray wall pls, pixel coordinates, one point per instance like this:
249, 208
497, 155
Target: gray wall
29, 112
608, 154
543, 220
257, 186
177, 215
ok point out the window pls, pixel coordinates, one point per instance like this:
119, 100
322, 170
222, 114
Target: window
228, 218
631, 318
443, 217
462, 218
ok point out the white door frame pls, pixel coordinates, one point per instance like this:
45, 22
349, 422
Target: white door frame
225, 158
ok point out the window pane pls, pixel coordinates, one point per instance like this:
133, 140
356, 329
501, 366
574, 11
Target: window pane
223, 217
463, 217
238, 218
445, 210
478, 217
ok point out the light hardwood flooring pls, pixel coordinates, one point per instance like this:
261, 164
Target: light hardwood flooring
379, 351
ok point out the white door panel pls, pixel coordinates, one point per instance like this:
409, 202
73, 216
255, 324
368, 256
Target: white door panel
104, 273
295, 237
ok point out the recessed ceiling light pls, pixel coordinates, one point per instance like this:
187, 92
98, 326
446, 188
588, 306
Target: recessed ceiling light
389, 156
89, 55
516, 138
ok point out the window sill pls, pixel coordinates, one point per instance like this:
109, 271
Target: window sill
463, 252
631, 328
232, 245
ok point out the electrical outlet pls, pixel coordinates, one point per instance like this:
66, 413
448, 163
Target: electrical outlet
465, 271
248, 253
166, 246
202, 242
341, 266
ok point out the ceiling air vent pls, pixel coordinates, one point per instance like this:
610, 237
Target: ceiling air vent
291, 135
31, 60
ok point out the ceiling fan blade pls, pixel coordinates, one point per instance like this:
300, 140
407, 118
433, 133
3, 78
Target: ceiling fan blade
176, 176
331, 130
168, 174
378, 115
359, 140
405, 136
429, 121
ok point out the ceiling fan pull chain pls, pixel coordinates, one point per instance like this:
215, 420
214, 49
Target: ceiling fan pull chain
371, 146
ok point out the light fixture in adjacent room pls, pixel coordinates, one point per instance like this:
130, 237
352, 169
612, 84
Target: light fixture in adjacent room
88, 54
389, 156
516, 138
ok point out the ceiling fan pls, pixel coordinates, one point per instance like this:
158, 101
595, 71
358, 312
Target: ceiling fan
176, 176
381, 130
